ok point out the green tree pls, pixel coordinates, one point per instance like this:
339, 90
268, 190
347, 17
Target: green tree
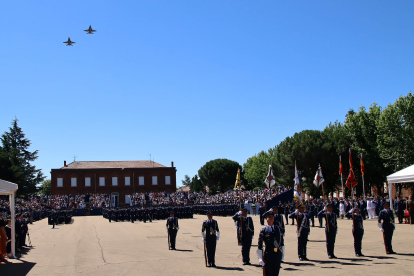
219, 174
396, 134
187, 181
45, 187
15, 148
196, 185
256, 169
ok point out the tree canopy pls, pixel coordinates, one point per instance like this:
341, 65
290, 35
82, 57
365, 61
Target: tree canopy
219, 174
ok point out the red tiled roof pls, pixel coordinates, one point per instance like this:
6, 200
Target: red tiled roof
112, 165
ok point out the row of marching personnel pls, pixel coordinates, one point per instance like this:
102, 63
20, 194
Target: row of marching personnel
145, 214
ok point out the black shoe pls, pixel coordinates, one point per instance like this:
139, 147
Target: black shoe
306, 259
392, 252
362, 255
244, 263
334, 257
357, 255
248, 263
300, 259
213, 265
329, 256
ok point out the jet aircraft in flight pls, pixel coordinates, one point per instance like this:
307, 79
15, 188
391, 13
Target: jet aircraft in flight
69, 42
90, 30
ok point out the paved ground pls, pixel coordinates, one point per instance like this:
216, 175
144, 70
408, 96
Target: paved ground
93, 246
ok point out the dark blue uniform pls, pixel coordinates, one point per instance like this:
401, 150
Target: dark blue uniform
211, 229
246, 232
302, 232
172, 228
357, 231
271, 236
388, 227
330, 231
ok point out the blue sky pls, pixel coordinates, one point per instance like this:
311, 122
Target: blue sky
192, 81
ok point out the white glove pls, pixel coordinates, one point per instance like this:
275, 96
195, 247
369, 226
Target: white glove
283, 234
382, 230
218, 238
297, 211
380, 226
166, 228
261, 263
239, 212
325, 208
218, 235
204, 241
235, 224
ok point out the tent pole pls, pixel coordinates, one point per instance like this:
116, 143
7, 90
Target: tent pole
13, 224
390, 193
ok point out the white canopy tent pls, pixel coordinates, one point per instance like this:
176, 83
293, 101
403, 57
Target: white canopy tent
403, 176
8, 188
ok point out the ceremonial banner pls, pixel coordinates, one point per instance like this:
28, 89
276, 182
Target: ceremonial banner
238, 182
270, 180
362, 166
318, 177
341, 170
351, 182
297, 195
350, 160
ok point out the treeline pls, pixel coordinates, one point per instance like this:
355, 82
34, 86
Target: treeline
384, 137
15, 161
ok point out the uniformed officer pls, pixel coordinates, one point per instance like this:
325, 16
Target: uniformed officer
387, 226
278, 221
172, 229
302, 220
211, 234
357, 229
271, 257
245, 228
261, 212
330, 229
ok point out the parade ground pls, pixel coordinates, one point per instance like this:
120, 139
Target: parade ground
93, 246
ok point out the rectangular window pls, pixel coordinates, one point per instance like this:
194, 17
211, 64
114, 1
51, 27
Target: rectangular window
154, 180
60, 182
168, 180
127, 181
141, 181
73, 182
115, 181
87, 181
101, 181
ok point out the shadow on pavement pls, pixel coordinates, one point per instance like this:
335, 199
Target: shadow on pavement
229, 268
379, 257
299, 264
404, 254
184, 250
14, 269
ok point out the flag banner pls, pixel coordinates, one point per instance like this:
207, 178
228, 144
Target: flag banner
351, 182
350, 160
297, 194
341, 170
238, 182
362, 166
270, 180
318, 177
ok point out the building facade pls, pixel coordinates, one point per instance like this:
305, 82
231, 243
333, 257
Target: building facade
116, 178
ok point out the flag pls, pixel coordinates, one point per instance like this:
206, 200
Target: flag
297, 193
238, 182
350, 160
270, 180
318, 177
351, 181
362, 166
341, 170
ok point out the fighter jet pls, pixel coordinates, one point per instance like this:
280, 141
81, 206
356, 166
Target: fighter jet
89, 31
69, 42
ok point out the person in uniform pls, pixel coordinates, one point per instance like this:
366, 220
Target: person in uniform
357, 229
172, 229
261, 212
400, 208
271, 257
245, 229
211, 234
387, 226
330, 229
302, 220
278, 221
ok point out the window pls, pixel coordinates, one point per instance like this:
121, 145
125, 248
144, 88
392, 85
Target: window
154, 180
87, 181
101, 181
114, 181
73, 182
127, 181
141, 181
60, 182
168, 180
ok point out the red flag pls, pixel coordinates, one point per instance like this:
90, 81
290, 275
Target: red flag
341, 170
350, 160
362, 166
351, 181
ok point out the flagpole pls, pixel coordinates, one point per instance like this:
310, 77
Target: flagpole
363, 186
343, 191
